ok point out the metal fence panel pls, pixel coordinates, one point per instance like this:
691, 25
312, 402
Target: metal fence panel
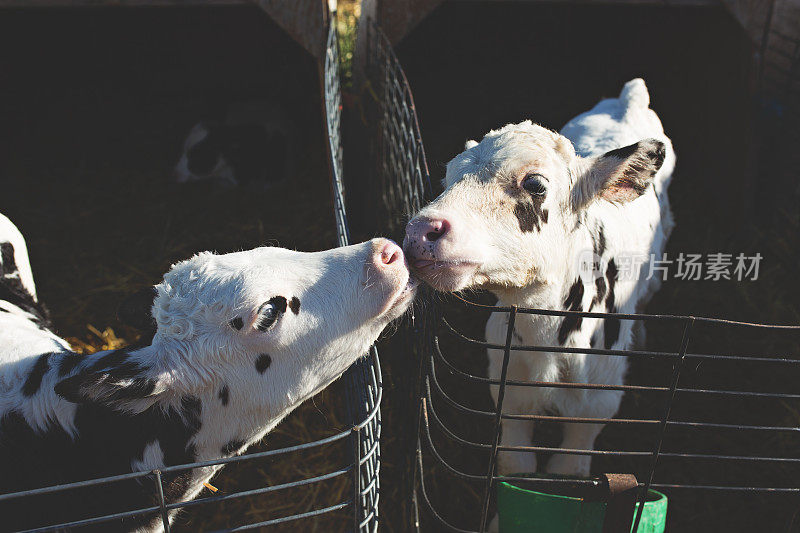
407, 188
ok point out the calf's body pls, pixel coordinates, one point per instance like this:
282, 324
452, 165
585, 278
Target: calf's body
524, 212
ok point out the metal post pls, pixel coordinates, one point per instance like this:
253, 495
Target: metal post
161, 503
423, 407
676, 374
498, 418
356, 438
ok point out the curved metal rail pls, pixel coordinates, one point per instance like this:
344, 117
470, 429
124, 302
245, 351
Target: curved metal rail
435, 392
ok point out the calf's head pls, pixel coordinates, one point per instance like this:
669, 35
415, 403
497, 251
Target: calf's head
233, 154
512, 203
277, 325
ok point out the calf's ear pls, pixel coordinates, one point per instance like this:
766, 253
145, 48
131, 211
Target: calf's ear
620, 175
114, 380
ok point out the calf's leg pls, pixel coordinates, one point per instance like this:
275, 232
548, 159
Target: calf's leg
600, 404
576, 437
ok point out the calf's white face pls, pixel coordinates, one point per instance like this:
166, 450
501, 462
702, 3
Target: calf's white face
511, 203
274, 325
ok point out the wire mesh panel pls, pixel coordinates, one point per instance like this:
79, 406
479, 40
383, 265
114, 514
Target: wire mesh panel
361, 439
403, 187
363, 379
163, 507
404, 171
690, 424
641, 434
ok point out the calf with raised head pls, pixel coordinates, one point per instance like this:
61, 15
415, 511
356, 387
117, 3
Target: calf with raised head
522, 211
241, 340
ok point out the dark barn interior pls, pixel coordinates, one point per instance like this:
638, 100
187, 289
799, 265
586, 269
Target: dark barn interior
95, 104
92, 127
475, 66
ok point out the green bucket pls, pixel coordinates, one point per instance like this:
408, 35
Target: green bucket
524, 510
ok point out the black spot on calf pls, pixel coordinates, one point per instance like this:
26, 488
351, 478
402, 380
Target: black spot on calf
611, 326
117, 366
611, 279
192, 407
112, 377
530, 215
137, 389
224, 395
600, 292
232, 447
595, 342
68, 363
294, 304
34, 381
105, 444
280, 303
600, 243
8, 265
111, 360
611, 330
13, 292
263, 362
572, 303
237, 323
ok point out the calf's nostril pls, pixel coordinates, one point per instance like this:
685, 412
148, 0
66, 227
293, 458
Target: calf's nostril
391, 253
438, 228
433, 236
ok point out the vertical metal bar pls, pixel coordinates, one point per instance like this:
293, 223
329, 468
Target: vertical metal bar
356, 478
361, 394
676, 374
423, 331
512, 317
161, 503
421, 473
423, 407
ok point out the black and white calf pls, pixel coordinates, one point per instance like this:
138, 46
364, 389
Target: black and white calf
523, 209
247, 143
241, 340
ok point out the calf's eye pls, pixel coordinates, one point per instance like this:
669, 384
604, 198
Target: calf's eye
533, 183
269, 312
